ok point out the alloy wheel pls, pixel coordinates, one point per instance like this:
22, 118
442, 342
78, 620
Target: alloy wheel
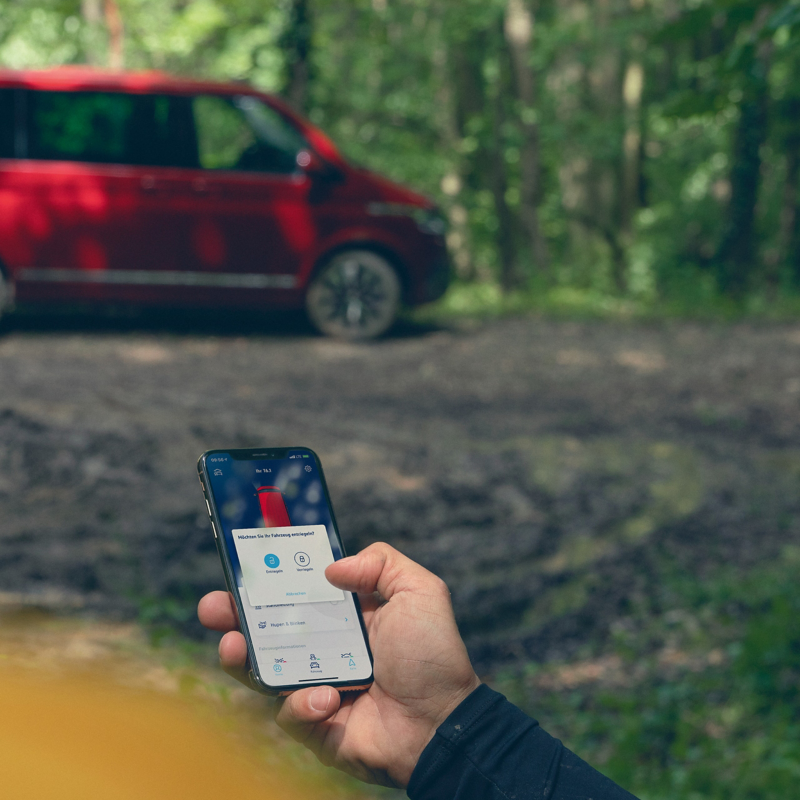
355, 296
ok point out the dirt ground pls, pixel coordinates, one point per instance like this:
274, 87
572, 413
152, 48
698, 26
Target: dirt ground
552, 472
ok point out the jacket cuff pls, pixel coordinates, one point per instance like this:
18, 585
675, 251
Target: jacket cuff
478, 744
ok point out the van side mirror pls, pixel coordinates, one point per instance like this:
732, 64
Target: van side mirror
317, 167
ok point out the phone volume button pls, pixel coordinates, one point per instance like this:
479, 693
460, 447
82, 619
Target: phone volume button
214, 528
209, 509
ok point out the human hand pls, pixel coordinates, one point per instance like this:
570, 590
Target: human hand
422, 671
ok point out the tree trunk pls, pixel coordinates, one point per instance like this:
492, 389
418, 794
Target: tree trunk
506, 246
790, 218
498, 181
105, 14
116, 34
296, 45
484, 167
92, 11
788, 111
519, 26
458, 238
630, 190
605, 178
737, 252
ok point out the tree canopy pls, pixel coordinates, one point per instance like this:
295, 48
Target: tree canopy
637, 147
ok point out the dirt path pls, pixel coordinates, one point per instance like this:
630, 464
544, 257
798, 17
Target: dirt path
553, 472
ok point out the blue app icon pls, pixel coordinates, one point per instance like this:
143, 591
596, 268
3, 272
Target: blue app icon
271, 560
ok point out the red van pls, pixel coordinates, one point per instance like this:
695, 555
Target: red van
148, 189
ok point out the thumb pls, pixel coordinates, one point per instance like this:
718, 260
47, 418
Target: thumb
380, 568
298, 713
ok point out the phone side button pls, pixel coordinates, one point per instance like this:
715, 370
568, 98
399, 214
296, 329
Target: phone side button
209, 509
214, 528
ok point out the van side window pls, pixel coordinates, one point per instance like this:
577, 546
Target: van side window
112, 128
82, 126
6, 123
243, 134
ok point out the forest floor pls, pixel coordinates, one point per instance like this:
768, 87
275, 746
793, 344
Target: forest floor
571, 481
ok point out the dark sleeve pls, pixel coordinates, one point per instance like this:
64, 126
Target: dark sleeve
488, 749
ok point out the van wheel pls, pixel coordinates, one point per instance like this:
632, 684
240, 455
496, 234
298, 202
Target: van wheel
356, 295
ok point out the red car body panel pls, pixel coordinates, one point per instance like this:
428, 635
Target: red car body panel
79, 231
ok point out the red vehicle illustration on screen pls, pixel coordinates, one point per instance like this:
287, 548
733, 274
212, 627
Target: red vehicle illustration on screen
273, 509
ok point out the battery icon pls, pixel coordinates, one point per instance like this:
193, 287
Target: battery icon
304, 455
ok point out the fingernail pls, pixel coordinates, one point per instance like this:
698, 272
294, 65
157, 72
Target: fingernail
320, 698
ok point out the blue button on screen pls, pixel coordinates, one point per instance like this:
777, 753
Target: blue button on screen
271, 560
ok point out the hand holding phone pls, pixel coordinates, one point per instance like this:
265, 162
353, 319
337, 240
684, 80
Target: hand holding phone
276, 534
422, 671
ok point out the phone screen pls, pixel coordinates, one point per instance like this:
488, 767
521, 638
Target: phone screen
278, 531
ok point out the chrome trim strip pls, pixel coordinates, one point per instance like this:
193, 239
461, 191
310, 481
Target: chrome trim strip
155, 277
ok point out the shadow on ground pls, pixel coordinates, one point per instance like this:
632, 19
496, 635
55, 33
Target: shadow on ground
181, 322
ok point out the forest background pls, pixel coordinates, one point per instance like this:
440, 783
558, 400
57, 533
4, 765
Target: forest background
615, 157
622, 155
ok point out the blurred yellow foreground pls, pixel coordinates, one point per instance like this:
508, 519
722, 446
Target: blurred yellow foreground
75, 738
89, 711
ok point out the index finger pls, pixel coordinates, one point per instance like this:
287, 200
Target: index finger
217, 612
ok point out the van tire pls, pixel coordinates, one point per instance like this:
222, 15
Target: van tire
356, 295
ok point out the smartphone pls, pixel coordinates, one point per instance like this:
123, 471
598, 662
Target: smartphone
276, 533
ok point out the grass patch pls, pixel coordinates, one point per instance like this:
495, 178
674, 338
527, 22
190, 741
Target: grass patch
486, 300
702, 703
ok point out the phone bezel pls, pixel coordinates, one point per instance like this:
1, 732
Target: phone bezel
254, 454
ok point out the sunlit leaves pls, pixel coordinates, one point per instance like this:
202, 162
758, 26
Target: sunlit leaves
425, 92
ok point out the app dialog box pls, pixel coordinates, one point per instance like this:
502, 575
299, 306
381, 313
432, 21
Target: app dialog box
285, 565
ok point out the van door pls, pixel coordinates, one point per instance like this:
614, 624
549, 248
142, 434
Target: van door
245, 219
85, 225
7, 198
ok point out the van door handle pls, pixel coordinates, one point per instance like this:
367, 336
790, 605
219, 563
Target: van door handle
203, 187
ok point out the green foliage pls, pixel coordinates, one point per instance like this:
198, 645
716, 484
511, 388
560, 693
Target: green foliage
725, 724
664, 136
161, 616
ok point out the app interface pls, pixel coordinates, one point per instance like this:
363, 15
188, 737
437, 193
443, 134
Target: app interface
277, 529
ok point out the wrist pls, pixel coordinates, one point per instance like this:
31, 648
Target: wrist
430, 723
